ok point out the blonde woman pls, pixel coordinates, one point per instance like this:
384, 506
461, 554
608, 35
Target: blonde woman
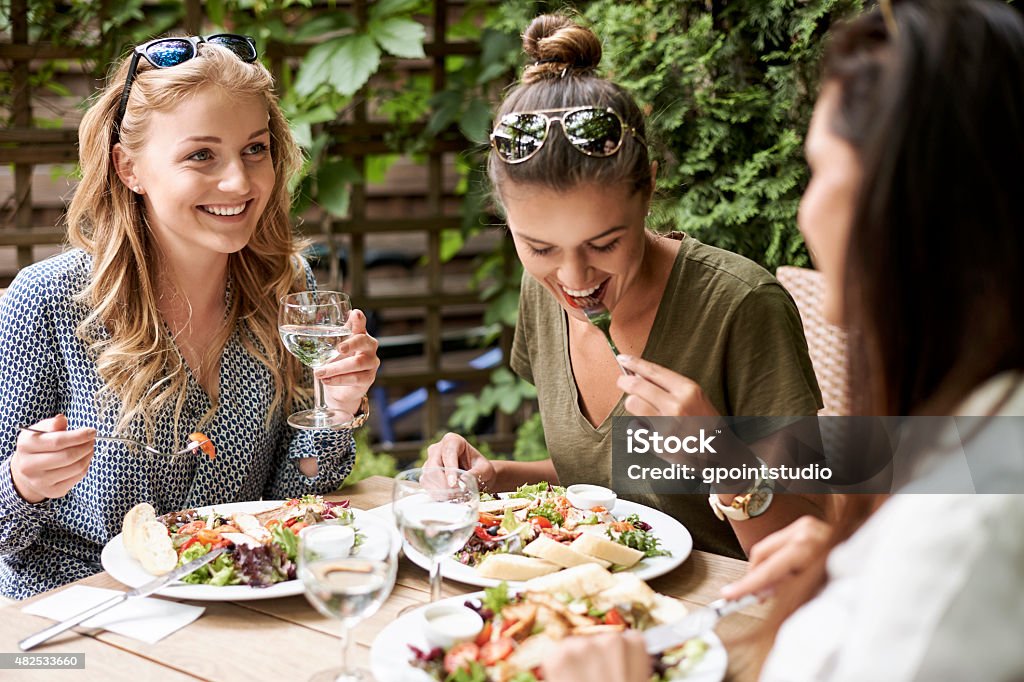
162, 319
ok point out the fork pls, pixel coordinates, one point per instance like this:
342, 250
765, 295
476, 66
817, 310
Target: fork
601, 318
191, 447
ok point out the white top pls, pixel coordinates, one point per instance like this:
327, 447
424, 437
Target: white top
931, 587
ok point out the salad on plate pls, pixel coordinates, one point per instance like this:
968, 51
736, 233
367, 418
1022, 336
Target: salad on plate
264, 544
521, 630
536, 530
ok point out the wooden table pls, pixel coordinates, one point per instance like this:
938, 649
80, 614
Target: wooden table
286, 639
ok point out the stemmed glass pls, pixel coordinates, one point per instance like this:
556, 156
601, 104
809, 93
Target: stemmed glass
436, 511
346, 585
312, 325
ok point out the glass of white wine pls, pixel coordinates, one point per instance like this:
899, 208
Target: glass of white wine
312, 325
346, 584
435, 509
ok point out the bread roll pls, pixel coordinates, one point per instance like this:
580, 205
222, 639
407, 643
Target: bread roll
503, 566
603, 548
557, 553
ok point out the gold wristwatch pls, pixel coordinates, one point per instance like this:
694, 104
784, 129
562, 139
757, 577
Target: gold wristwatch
746, 505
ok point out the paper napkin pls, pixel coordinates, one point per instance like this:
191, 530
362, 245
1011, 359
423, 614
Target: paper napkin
146, 619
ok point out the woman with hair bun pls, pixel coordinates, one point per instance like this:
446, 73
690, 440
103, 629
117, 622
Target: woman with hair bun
701, 331
162, 320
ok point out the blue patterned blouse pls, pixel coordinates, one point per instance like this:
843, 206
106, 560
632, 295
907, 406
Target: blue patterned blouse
45, 370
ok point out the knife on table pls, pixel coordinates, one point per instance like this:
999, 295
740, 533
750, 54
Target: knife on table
143, 591
663, 637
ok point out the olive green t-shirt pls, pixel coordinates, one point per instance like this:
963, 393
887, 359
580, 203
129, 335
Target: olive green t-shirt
723, 321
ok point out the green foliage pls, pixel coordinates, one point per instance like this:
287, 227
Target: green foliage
506, 392
369, 463
728, 95
530, 445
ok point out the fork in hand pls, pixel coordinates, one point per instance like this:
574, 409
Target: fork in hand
601, 318
193, 445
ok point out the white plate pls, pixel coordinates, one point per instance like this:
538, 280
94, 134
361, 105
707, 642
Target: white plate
673, 536
123, 568
390, 654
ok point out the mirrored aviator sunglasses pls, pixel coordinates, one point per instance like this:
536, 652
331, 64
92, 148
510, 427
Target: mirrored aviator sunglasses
163, 53
593, 131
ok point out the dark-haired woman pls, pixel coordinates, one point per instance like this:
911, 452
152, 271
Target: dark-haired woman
926, 271
704, 331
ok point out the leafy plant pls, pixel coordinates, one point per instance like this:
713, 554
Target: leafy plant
506, 392
369, 463
728, 93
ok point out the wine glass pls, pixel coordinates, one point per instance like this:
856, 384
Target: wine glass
436, 511
312, 325
345, 583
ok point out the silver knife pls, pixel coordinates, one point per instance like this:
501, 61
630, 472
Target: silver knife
143, 591
664, 637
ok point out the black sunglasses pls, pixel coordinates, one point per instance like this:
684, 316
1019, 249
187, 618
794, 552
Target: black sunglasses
164, 53
594, 131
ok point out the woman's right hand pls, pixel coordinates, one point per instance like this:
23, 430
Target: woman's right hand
782, 554
48, 465
455, 451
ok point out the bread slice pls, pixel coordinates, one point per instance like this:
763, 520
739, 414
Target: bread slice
606, 549
627, 589
578, 581
503, 566
155, 549
134, 520
500, 505
557, 553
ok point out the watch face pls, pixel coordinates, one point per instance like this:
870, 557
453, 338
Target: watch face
759, 501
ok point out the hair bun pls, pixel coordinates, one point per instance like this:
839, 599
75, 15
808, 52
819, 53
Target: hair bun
555, 42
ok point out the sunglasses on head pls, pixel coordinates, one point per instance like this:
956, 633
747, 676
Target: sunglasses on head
164, 53
594, 131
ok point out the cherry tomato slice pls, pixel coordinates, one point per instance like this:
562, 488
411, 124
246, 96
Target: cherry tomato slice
613, 617
540, 522
482, 534
460, 655
495, 651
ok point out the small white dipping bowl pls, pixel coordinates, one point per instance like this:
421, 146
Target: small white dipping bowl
446, 625
585, 496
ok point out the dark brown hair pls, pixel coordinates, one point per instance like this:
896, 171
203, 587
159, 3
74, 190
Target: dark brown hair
933, 280
563, 74
933, 291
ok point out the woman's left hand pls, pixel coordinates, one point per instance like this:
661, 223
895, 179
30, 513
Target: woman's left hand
655, 391
348, 377
619, 657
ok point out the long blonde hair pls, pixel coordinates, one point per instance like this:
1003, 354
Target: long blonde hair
135, 356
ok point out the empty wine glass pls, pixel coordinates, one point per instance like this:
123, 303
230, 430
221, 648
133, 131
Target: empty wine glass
312, 325
436, 511
345, 583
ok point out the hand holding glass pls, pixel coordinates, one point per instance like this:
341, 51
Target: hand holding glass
345, 585
312, 325
436, 510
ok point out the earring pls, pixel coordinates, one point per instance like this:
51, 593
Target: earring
137, 189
